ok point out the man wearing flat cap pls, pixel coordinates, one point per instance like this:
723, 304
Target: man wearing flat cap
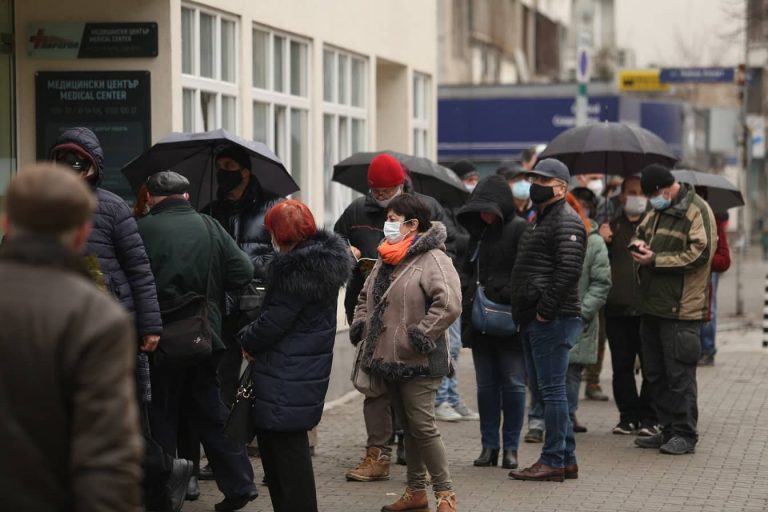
546, 308
674, 247
191, 253
70, 429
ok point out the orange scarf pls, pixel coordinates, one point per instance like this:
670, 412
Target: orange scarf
392, 254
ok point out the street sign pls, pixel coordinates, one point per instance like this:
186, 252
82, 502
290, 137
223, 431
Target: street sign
641, 80
696, 75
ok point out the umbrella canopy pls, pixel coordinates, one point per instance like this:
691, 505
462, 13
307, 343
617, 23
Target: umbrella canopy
720, 193
192, 155
427, 177
609, 148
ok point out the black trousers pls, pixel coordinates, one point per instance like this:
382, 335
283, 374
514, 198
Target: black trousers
195, 391
231, 360
287, 466
624, 340
671, 351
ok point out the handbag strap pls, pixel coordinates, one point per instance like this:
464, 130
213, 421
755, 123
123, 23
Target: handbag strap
210, 259
477, 256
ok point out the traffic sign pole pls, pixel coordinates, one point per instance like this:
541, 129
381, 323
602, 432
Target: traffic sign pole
583, 73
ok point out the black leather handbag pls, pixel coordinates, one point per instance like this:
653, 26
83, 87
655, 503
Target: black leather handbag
240, 426
187, 338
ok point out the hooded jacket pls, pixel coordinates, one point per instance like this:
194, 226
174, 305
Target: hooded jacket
594, 285
496, 247
69, 430
549, 262
683, 238
362, 225
624, 298
116, 243
292, 340
404, 310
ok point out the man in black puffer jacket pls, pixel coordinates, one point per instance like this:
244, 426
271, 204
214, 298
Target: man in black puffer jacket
545, 305
115, 239
240, 209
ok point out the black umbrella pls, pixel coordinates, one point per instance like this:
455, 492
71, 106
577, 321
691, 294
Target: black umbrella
720, 193
427, 177
191, 154
609, 148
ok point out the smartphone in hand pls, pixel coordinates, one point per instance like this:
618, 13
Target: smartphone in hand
634, 248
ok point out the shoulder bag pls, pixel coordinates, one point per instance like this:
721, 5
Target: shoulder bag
371, 386
187, 338
240, 426
490, 317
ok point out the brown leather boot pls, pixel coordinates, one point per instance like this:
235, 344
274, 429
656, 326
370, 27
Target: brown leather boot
375, 466
446, 501
412, 500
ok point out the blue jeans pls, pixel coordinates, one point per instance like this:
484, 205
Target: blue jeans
546, 347
572, 386
500, 374
709, 329
449, 387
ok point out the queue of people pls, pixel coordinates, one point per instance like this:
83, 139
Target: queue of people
527, 274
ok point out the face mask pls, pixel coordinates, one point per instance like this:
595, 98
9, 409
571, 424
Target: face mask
385, 202
228, 180
596, 186
660, 202
541, 194
521, 189
275, 246
392, 231
636, 205
470, 187
587, 213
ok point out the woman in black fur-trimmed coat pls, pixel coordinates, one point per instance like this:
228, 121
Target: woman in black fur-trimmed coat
291, 346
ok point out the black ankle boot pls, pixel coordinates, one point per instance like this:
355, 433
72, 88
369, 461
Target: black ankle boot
400, 455
509, 460
488, 457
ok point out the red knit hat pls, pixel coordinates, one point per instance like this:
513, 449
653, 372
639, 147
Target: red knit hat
385, 172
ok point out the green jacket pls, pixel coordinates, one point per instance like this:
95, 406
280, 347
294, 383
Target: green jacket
176, 240
594, 286
683, 238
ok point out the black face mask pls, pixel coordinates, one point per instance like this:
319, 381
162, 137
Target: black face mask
541, 194
228, 180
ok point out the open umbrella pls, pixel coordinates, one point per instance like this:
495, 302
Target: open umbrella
192, 154
720, 193
427, 177
609, 148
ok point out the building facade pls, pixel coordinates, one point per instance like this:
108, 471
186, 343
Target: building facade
315, 81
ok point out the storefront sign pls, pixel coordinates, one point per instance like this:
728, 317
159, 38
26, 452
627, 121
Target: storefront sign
91, 40
641, 80
114, 104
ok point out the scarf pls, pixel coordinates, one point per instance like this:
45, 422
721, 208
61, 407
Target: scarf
393, 254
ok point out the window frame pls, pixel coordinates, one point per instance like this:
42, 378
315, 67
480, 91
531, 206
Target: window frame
421, 126
200, 84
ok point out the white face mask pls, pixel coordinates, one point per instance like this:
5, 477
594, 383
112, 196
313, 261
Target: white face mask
470, 187
275, 246
596, 186
392, 231
385, 202
636, 205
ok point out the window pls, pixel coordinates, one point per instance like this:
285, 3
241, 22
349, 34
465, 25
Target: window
344, 123
420, 115
209, 54
281, 98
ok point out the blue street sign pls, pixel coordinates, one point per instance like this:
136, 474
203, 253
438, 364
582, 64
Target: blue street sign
696, 75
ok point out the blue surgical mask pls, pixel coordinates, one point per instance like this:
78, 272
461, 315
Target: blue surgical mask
521, 189
660, 202
392, 232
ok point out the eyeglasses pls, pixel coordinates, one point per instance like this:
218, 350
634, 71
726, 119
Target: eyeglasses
383, 193
77, 162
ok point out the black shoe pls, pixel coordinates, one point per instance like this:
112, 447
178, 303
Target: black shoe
509, 460
235, 502
678, 445
205, 473
488, 457
534, 435
578, 428
654, 442
193, 489
707, 360
624, 428
400, 454
176, 486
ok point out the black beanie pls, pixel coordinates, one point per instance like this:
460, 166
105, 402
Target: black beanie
464, 169
655, 177
237, 154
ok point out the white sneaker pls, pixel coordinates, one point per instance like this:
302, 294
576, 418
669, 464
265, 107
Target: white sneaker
445, 412
466, 413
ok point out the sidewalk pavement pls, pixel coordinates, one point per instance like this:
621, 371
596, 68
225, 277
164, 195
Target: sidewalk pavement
728, 472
